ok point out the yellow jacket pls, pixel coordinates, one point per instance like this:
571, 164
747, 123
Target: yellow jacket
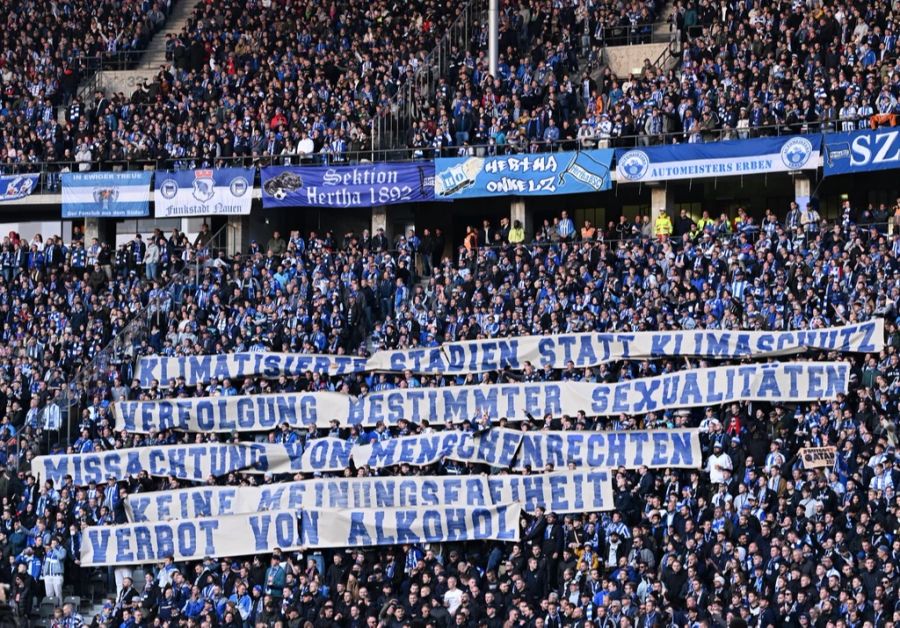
516, 235
663, 225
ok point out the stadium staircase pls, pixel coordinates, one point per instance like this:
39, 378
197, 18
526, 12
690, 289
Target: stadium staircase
127, 81
624, 61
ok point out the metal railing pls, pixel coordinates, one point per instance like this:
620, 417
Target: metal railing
413, 100
636, 34
121, 348
50, 179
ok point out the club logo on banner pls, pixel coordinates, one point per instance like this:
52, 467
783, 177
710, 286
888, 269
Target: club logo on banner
718, 159
862, 151
204, 192
14, 187
362, 185
106, 194
524, 175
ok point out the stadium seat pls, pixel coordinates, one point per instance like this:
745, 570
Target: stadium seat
74, 600
48, 605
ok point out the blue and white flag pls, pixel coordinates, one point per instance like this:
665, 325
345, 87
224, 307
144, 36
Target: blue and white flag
205, 192
16, 186
718, 159
106, 194
523, 175
862, 151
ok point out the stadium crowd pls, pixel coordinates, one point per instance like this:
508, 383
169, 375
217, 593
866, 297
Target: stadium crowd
46, 49
751, 537
248, 82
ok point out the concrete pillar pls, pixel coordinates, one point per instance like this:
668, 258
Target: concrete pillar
93, 229
237, 235
380, 220
662, 199
518, 210
802, 191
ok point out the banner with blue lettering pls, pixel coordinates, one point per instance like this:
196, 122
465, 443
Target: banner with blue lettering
399, 526
495, 447
196, 462
16, 186
193, 539
198, 369
657, 449
559, 491
254, 413
362, 185
317, 494
861, 151
798, 381
591, 349
204, 192
106, 194
536, 174
562, 491
718, 159
477, 356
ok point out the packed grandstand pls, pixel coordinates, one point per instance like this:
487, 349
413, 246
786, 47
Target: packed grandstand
405, 344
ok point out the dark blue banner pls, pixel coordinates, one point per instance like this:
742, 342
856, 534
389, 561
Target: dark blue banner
363, 185
861, 151
17, 186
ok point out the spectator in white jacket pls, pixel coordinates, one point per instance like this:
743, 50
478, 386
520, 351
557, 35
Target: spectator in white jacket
719, 465
83, 157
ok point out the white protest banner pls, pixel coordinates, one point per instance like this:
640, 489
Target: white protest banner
241, 413
398, 526
476, 356
658, 449
791, 381
818, 457
558, 491
788, 381
496, 447
326, 493
590, 349
249, 413
192, 539
196, 462
198, 369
